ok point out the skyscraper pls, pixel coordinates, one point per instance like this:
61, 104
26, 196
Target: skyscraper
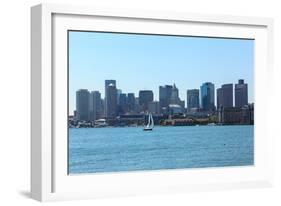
175, 96
241, 93
192, 99
122, 105
145, 96
219, 98
106, 84
82, 105
119, 91
207, 96
225, 96
165, 93
110, 99
95, 105
131, 101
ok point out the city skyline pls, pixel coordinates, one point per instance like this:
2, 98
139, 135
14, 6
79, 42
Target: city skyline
203, 99
187, 61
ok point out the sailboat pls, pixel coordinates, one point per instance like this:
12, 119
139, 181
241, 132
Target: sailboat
150, 123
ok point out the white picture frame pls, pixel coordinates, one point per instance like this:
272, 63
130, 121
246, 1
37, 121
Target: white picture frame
49, 178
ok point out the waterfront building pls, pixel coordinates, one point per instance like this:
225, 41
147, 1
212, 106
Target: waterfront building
95, 105
82, 105
236, 115
229, 115
207, 96
165, 94
106, 84
131, 101
248, 114
178, 122
145, 96
111, 101
225, 96
192, 99
154, 107
241, 93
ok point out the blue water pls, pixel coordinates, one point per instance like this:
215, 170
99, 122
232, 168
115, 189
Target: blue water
94, 150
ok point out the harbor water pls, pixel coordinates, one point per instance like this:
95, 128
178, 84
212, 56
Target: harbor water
116, 149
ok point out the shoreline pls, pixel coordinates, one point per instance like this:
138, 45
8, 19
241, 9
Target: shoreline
142, 126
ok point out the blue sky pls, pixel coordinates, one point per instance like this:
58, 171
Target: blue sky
139, 62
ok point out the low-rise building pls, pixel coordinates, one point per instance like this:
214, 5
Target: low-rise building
236, 115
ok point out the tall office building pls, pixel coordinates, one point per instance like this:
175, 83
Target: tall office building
95, 105
119, 91
122, 104
207, 96
241, 93
165, 94
225, 96
192, 99
219, 98
137, 105
175, 96
145, 96
102, 108
110, 99
82, 105
131, 101
106, 84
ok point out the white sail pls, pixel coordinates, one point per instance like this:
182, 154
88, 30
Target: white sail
150, 123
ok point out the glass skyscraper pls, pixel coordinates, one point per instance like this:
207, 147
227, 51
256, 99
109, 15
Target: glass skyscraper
192, 99
207, 96
165, 94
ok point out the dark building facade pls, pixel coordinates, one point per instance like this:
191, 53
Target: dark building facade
145, 96
165, 94
95, 105
225, 96
154, 107
241, 93
219, 98
83, 105
192, 99
122, 105
111, 101
131, 101
236, 115
207, 96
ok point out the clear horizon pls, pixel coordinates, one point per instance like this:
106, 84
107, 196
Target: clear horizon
145, 62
